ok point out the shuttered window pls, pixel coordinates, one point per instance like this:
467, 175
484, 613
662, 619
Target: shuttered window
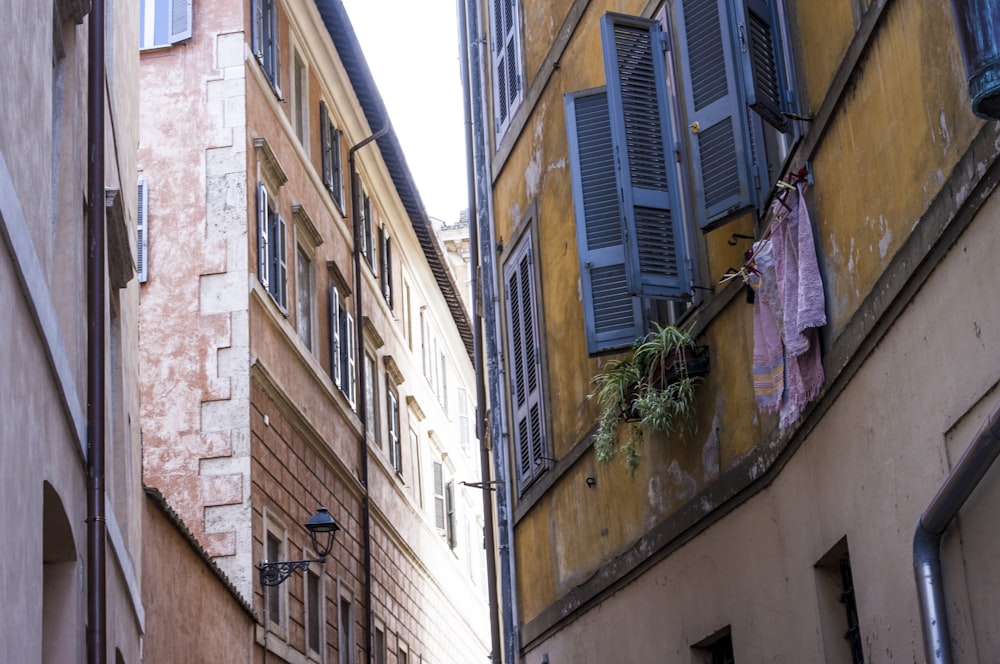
392, 416
524, 360
506, 61
385, 274
142, 233
265, 39
440, 516
332, 169
272, 265
635, 145
163, 22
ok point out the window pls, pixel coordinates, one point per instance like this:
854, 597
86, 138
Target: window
407, 315
333, 175
305, 293
379, 645
506, 62
716, 649
300, 99
385, 274
314, 611
403, 656
163, 22
392, 417
524, 364
371, 403
442, 385
425, 345
417, 457
265, 39
142, 233
440, 512
342, 346
274, 595
449, 502
464, 431
627, 138
838, 606
367, 230
345, 632
272, 269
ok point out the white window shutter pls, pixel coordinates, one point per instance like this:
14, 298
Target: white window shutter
142, 233
335, 372
262, 239
180, 20
440, 517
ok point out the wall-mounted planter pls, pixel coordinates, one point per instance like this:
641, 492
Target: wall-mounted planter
977, 23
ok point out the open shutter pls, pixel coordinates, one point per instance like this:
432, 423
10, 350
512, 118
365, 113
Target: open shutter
714, 110
257, 28
142, 233
440, 517
449, 501
394, 447
338, 171
525, 366
180, 20
327, 150
262, 239
335, 371
612, 318
763, 64
282, 263
642, 134
348, 382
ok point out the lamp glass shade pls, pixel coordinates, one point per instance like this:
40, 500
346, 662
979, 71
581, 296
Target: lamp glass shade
322, 523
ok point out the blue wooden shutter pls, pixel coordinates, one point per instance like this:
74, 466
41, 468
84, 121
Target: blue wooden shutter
642, 133
180, 20
334, 302
338, 171
142, 233
715, 112
326, 151
262, 239
524, 358
281, 260
612, 318
763, 62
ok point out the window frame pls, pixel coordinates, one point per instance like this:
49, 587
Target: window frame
275, 531
305, 296
178, 27
314, 571
299, 103
392, 416
272, 240
371, 398
527, 395
346, 638
265, 40
331, 156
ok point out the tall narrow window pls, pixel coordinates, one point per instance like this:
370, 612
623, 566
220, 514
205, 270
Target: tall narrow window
265, 39
305, 293
392, 417
272, 270
300, 100
443, 383
345, 632
330, 140
335, 307
449, 501
440, 513
273, 552
379, 645
838, 606
506, 61
371, 409
385, 274
367, 230
524, 360
348, 335
425, 345
314, 609
464, 431
142, 233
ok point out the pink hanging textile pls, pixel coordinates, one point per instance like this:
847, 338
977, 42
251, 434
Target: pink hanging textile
796, 304
768, 354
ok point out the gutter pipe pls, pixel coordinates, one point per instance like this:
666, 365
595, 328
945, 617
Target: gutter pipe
96, 523
361, 400
944, 507
489, 541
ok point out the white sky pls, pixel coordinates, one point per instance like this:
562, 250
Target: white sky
412, 50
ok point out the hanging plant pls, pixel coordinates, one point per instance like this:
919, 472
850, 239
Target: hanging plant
651, 389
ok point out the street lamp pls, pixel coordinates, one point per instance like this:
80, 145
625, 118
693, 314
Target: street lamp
319, 524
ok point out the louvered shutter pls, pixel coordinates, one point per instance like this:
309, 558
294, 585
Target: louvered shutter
717, 119
524, 356
180, 20
142, 232
338, 171
334, 301
262, 239
349, 382
440, 517
506, 79
763, 64
281, 260
326, 153
612, 318
449, 501
642, 134
257, 28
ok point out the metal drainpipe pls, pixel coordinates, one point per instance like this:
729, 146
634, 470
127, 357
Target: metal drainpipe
489, 541
956, 489
359, 374
96, 524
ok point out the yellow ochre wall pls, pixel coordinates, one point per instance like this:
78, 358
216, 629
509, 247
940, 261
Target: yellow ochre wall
894, 137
